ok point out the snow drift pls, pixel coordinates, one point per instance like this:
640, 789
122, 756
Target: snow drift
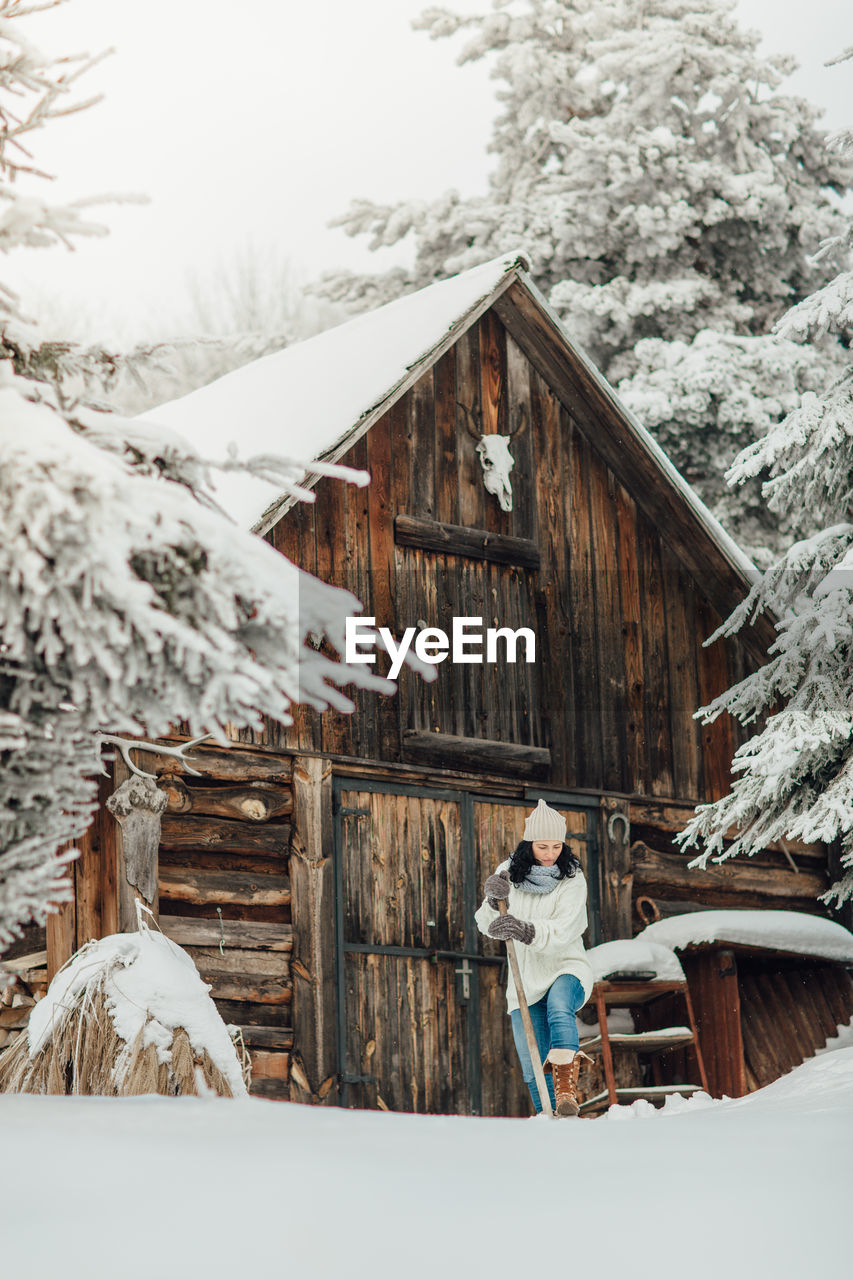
752, 1187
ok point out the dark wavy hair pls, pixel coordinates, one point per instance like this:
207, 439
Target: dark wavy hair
522, 860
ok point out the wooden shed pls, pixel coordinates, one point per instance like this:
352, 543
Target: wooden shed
324, 876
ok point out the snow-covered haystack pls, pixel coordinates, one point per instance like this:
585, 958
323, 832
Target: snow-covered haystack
126, 1015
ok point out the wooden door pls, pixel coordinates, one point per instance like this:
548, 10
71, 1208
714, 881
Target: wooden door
422, 1020
404, 923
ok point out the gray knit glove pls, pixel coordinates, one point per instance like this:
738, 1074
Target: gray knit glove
510, 926
496, 888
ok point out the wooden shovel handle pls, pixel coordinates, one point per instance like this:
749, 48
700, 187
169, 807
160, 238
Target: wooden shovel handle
526, 1021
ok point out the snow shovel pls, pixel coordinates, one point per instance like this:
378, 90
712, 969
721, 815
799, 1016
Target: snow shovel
538, 1073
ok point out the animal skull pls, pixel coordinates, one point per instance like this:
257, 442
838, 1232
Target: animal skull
493, 452
497, 462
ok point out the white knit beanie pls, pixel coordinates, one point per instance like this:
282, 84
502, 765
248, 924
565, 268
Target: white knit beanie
544, 823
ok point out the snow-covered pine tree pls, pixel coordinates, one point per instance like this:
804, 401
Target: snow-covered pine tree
128, 600
795, 777
707, 399
661, 186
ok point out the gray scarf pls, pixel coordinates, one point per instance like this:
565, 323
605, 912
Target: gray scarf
541, 879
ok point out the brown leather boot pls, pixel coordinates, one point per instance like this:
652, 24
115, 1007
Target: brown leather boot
566, 1078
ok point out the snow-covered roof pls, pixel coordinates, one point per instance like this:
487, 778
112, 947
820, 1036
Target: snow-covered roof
793, 931
316, 398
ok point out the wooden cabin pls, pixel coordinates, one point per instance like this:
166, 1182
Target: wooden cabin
324, 876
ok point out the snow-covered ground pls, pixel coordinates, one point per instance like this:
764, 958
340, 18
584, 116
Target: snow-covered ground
107, 1189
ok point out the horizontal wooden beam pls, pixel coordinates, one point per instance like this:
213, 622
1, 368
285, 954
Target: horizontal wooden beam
189, 832
673, 815
215, 887
476, 753
249, 803
15, 1017
757, 951
423, 775
190, 931
279, 1090
246, 988
226, 764
269, 1065
21, 964
267, 1037
248, 1013
747, 879
262, 964
461, 540
650, 910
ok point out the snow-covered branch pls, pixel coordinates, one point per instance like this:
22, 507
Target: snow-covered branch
128, 600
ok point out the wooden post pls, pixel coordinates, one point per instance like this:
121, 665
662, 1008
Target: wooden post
62, 926
617, 878
715, 997
88, 878
606, 1050
312, 907
137, 805
731, 1071
61, 931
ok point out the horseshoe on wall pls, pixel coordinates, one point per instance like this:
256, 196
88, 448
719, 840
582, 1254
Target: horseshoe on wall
611, 823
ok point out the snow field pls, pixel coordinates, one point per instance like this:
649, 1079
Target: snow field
122, 1189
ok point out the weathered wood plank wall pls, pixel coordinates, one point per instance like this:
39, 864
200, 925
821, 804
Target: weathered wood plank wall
760, 1015
619, 619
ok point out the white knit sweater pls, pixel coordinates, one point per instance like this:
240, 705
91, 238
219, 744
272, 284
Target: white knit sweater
559, 918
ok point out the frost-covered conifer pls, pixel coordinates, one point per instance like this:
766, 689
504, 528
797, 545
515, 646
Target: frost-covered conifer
128, 600
795, 777
707, 399
661, 185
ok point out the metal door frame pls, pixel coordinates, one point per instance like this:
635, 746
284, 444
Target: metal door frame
466, 800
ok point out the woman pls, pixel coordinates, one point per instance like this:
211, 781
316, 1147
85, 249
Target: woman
545, 892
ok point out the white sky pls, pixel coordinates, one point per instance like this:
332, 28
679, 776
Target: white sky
257, 124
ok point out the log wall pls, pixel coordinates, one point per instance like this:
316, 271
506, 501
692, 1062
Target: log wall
224, 892
23, 981
659, 882
225, 895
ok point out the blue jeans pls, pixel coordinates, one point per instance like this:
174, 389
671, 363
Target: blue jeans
554, 1026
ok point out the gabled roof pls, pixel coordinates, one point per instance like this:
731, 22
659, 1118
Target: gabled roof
316, 398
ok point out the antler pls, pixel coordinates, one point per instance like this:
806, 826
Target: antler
523, 423
126, 745
471, 416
